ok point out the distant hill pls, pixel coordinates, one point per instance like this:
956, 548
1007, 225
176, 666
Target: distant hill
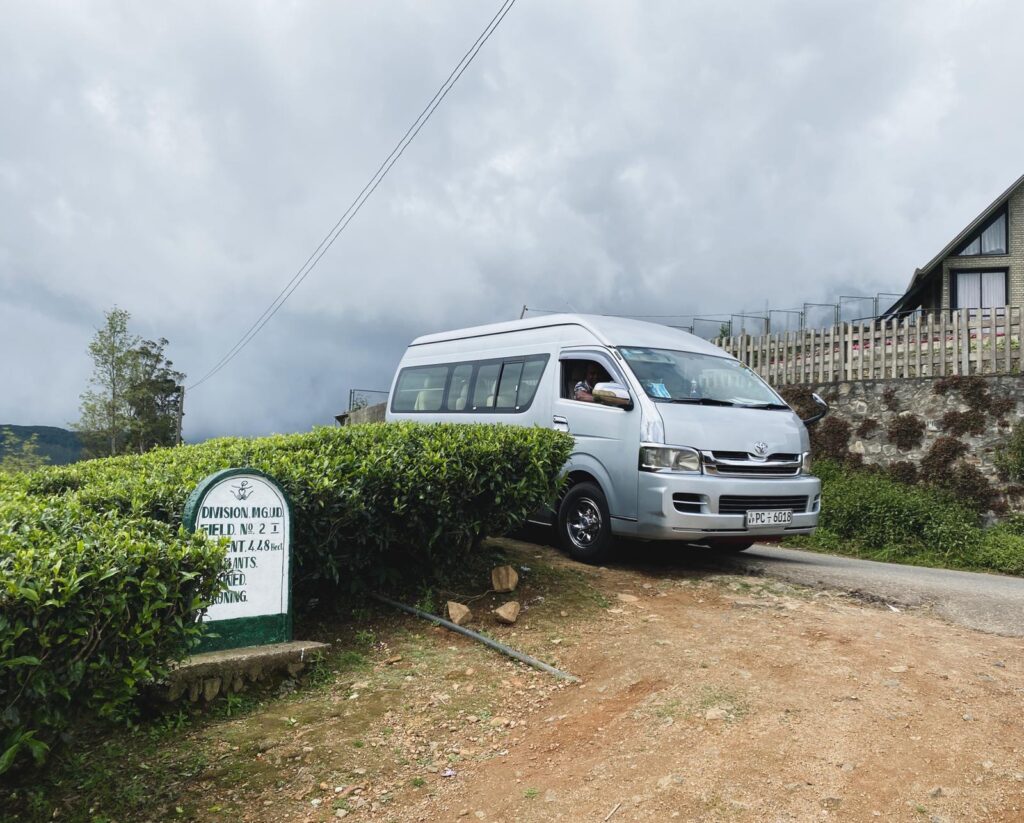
59, 445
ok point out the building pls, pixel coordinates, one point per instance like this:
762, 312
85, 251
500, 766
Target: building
982, 267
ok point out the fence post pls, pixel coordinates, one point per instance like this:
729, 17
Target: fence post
820, 348
942, 343
868, 348
894, 330
1020, 343
1008, 336
881, 371
966, 343
955, 335
787, 361
803, 357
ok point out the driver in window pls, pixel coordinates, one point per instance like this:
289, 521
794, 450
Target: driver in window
584, 389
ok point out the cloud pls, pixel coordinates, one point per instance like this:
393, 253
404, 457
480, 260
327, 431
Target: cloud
183, 161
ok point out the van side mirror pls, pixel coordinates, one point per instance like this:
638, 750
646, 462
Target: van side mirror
612, 394
814, 418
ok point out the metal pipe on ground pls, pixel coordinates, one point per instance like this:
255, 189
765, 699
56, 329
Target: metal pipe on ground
492, 644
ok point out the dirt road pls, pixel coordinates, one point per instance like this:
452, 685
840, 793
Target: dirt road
742, 699
706, 696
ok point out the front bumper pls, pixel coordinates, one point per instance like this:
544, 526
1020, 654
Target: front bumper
661, 495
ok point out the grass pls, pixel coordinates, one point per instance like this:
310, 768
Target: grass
719, 697
869, 515
224, 759
986, 555
667, 710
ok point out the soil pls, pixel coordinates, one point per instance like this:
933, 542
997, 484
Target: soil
739, 699
704, 697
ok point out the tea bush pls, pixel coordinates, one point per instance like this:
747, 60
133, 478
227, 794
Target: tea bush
871, 514
358, 493
877, 511
90, 608
99, 584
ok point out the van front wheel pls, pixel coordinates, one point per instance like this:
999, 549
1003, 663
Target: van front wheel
584, 525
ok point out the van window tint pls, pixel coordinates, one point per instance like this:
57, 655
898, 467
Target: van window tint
496, 386
420, 388
509, 385
532, 370
458, 390
486, 385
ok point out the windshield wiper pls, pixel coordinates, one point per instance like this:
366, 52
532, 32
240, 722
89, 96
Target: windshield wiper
762, 406
700, 401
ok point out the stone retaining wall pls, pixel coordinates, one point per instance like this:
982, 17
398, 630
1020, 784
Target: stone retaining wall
990, 406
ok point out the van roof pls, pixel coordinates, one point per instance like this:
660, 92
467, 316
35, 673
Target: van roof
611, 331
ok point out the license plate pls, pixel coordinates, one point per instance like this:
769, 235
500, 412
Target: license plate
774, 517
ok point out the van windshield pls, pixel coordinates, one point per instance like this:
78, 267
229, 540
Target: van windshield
686, 377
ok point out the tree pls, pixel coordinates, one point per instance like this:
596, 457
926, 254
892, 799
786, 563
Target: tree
155, 395
19, 455
134, 399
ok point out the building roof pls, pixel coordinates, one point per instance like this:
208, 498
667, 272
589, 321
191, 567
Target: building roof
921, 275
610, 330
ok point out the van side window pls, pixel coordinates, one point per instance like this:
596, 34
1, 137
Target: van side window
420, 388
496, 386
532, 370
509, 385
574, 372
486, 385
458, 390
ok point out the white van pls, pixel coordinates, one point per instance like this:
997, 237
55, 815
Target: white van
675, 439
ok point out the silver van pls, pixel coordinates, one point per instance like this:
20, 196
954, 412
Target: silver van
675, 439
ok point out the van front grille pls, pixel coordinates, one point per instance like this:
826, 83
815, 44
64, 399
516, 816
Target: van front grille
742, 503
782, 456
741, 464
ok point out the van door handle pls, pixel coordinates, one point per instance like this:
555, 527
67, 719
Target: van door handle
560, 423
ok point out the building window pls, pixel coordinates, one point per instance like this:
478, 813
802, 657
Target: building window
979, 289
991, 239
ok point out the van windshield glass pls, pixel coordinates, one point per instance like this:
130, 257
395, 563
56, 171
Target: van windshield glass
686, 377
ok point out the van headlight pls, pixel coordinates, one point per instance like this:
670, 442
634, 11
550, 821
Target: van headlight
805, 465
669, 459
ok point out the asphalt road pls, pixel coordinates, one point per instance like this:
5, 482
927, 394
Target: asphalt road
986, 602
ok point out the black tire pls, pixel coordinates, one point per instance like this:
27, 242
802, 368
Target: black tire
584, 525
732, 546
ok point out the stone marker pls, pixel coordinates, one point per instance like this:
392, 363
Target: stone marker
459, 614
504, 579
251, 510
507, 613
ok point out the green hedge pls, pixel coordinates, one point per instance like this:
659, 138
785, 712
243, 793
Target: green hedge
90, 607
358, 492
99, 582
868, 514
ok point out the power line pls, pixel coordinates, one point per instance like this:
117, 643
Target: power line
363, 195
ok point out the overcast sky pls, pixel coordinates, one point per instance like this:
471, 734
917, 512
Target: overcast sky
182, 160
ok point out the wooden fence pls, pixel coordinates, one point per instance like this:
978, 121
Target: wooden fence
931, 344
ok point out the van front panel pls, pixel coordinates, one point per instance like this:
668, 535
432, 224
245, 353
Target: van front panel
701, 507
